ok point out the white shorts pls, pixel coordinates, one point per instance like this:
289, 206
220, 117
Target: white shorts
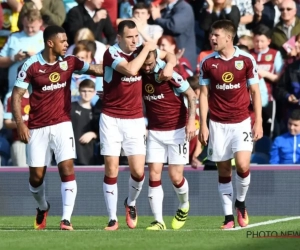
167, 146
126, 134
227, 139
43, 142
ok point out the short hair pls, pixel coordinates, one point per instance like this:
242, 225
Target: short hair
32, 15
226, 25
262, 29
126, 23
52, 30
87, 83
152, 52
194, 82
141, 6
295, 115
244, 48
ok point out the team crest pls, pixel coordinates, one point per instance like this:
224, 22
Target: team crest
63, 65
269, 58
239, 65
157, 78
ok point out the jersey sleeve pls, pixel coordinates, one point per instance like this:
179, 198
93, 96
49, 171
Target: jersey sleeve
180, 84
251, 71
80, 66
112, 57
204, 76
25, 74
278, 63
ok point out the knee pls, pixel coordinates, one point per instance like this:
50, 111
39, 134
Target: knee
66, 168
176, 178
36, 178
154, 175
242, 167
225, 170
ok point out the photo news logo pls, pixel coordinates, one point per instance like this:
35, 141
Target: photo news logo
273, 234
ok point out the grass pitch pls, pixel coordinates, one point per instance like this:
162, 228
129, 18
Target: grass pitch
198, 233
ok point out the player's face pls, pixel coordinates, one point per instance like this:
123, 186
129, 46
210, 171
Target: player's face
87, 94
60, 44
261, 42
219, 39
294, 127
149, 65
129, 40
31, 28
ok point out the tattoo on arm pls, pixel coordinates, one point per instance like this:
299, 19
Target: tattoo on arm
16, 100
192, 99
95, 70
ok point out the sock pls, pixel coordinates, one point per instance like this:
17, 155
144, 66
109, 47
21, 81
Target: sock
155, 197
226, 194
182, 192
39, 195
135, 188
68, 192
242, 185
110, 190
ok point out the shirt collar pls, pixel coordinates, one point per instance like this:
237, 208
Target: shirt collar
236, 53
42, 60
292, 25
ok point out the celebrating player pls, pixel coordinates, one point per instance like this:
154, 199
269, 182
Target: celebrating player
227, 76
121, 123
168, 138
48, 75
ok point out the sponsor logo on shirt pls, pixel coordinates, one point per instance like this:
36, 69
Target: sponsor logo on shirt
227, 79
131, 79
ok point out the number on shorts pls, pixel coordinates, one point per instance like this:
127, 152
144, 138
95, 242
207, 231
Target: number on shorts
248, 136
182, 148
72, 141
145, 140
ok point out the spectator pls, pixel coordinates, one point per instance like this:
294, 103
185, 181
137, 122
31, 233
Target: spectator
18, 148
53, 11
148, 32
87, 34
85, 50
270, 64
112, 9
247, 41
286, 147
266, 12
85, 132
89, 14
217, 10
20, 46
183, 67
178, 20
247, 14
288, 26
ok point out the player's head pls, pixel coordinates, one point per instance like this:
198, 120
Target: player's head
32, 22
222, 34
261, 37
87, 90
294, 122
150, 62
55, 39
128, 36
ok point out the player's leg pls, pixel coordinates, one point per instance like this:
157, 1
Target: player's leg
156, 156
219, 151
38, 157
110, 146
242, 148
178, 156
63, 144
134, 147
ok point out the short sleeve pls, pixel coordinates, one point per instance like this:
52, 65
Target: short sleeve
80, 66
180, 84
25, 75
204, 76
251, 71
113, 57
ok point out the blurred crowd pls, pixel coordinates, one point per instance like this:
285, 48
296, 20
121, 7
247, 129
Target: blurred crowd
268, 29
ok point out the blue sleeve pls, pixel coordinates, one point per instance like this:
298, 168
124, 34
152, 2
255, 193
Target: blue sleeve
251, 73
204, 78
278, 63
274, 153
184, 85
115, 57
84, 69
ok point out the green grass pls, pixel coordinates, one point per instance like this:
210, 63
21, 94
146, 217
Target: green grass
198, 233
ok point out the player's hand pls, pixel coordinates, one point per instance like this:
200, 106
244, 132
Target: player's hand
150, 46
166, 74
203, 135
257, 131
23, 132
196, 163
293, 99
87, 137
190, 130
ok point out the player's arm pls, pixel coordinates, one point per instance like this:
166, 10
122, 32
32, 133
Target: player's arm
171, 63
132, 68
192, 99
16, 99
95, 70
